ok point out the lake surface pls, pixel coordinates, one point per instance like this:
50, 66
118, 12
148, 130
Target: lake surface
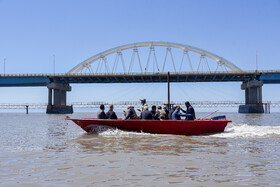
45, 150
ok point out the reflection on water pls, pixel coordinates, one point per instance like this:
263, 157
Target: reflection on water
146, 144
45, 149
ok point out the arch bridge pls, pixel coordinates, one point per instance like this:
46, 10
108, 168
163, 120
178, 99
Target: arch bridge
151, 62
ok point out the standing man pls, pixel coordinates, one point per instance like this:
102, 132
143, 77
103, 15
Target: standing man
101, 114
111, 114
143, 103
189, 110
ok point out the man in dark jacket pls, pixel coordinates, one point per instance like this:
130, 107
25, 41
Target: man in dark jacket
101, 114
146, 114
154, 112
189, 110
111, 114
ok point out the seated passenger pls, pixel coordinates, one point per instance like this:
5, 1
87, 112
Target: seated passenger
158, 111
161, 114
146, 114
111, 114
130, 114
101, 114
154, 112
171, 112
177, 114
166, 111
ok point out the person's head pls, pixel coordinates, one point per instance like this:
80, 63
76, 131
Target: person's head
164, 107
187, 103
102, 107
143, 101
159, 107
154, 107
178, 108
111, 107
128, 107
145, 108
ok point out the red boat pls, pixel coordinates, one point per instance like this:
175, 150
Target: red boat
177, 127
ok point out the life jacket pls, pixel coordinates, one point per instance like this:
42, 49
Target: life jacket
133, 115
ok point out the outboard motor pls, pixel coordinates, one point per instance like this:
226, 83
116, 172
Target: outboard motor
219, 117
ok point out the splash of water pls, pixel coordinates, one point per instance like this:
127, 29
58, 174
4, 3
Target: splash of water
118, 132
235, 130
110, 131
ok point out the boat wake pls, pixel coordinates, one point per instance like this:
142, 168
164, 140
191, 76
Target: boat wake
235, 130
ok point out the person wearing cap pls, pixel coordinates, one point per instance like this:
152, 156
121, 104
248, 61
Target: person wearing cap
143, 103
111, 114
101, 114
130, 114
189, 110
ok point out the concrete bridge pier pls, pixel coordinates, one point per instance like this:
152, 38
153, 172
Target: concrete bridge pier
253, 97
57, 99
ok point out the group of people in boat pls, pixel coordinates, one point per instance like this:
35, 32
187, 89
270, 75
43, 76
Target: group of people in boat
156, 113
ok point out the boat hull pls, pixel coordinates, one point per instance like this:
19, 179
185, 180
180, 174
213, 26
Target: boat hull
176, 127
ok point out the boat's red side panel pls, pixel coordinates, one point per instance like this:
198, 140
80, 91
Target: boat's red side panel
178, 127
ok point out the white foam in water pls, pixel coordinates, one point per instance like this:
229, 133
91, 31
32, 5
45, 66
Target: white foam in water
108, 131
117, 132
234, 130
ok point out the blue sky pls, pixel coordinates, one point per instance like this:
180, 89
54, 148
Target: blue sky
33, 31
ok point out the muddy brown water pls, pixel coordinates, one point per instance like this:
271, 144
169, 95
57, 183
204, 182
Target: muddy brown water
45, 150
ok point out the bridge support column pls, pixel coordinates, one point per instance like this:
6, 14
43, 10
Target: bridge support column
57, 99
253, 97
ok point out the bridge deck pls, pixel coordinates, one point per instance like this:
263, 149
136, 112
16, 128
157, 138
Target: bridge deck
14, 80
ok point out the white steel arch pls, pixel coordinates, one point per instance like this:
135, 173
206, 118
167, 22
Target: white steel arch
220, 60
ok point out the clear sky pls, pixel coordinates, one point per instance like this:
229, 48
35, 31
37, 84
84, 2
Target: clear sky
32, 31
